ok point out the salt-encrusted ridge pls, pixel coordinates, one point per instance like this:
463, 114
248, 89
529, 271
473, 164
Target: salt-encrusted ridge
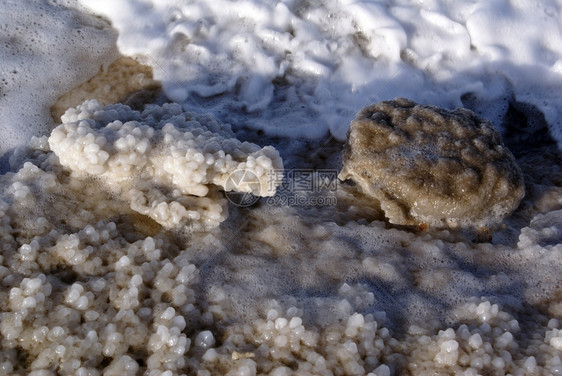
167, 163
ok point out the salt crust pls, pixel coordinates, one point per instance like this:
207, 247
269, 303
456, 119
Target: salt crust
429, 165
81, 297
29, 234
168, 164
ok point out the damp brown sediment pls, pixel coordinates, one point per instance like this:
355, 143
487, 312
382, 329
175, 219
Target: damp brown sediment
124, 81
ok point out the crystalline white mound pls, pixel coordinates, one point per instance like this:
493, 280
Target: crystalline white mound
168, 164
544, 231
429, 165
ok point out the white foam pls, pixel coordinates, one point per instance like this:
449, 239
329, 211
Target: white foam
47, 48
337, 57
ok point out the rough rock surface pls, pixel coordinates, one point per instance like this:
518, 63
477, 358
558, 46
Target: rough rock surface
429, 165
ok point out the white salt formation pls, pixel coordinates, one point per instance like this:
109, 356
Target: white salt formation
428, 165
89, 286
272, 291
167, 164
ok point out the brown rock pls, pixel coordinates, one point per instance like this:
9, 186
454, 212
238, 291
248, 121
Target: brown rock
429, 165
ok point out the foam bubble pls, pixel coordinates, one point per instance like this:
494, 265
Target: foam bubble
75, 42
305, 70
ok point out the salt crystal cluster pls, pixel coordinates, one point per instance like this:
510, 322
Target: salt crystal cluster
106, 313
283, 342
167, 164
544, 231
488, 342
84, 292
425, 164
